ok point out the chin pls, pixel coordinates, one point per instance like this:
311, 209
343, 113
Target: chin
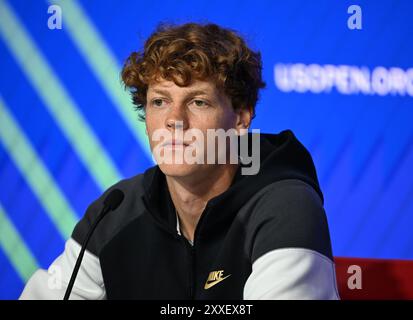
180, 170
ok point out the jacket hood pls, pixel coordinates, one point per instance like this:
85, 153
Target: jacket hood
282, 157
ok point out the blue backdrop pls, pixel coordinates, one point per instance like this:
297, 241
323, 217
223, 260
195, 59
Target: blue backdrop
68, 131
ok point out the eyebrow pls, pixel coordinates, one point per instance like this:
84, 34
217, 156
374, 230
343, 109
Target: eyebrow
163, 92
189, 93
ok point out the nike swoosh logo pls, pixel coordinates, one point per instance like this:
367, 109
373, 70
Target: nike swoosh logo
213, 283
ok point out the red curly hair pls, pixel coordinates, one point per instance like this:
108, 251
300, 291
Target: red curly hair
195, 51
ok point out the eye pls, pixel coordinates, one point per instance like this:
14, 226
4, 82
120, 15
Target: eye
200, 103
157, 102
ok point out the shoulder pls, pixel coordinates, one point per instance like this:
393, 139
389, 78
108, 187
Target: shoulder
130, 208
289, 196
289, 214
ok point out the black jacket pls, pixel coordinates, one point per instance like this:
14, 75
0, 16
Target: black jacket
143, 256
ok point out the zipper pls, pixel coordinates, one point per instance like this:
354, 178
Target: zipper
190, 249
191, 266
192, 274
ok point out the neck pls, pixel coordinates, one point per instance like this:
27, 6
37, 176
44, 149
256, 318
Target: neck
191, 194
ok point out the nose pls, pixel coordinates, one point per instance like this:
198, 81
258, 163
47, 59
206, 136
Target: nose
177, 119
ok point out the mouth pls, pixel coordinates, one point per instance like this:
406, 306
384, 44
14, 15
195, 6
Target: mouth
175, 144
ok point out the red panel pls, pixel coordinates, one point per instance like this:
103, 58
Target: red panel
380, 279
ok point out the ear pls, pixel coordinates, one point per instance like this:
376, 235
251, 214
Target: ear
244, 117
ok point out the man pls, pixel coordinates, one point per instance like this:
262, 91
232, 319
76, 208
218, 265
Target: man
202, 229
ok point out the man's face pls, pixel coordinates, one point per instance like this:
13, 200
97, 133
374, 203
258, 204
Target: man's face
183, 110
